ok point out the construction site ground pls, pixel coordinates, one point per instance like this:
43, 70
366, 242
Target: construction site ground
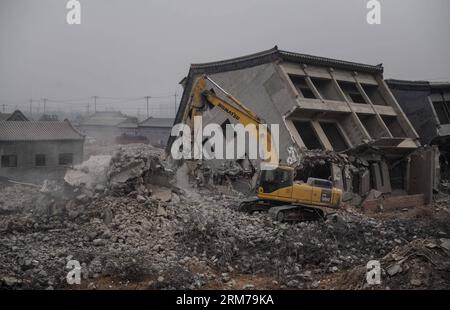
132, 226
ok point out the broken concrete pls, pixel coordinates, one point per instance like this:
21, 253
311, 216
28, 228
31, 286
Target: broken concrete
166, 237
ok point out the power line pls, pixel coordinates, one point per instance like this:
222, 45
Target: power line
158, 105
45, 103
68, 100
148, 98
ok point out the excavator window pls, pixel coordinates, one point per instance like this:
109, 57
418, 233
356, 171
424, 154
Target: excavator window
320, 183
272, 180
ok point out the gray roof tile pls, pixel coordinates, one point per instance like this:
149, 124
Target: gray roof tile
157, 122
38, 131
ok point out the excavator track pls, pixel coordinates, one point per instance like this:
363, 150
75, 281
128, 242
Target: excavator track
254, 205
285, 213
297, 213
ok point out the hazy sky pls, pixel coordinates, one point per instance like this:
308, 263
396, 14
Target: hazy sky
134, 48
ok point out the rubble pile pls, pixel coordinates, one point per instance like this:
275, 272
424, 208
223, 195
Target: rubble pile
126, 171
122, 237
441, 202
90, 173
134, 166
420, 264
160, 240
297, 255
314, 157
14, 199
229, 174
139, 227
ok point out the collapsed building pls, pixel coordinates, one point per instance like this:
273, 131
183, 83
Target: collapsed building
427, 105
341, 117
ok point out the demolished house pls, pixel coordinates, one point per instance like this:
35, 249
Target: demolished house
427, 105
34, 151
340, 116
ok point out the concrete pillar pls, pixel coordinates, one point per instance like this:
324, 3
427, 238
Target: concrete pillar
367, 99
321, 135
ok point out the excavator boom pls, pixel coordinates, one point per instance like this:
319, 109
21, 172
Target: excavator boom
201, 97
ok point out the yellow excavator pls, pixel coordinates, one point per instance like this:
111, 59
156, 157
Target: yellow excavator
285, 198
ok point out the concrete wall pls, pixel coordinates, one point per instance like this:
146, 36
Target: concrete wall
26, 152
418, 109
422, 173
263, 90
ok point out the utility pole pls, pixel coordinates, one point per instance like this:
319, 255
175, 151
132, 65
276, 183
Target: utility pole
148, 98
45, 103
4, 105
95, 103
175, 104
31, 107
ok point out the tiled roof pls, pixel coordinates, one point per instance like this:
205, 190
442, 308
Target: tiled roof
157, 122
416, 85
130, 122
274, 54
106, 118
15, 116
38, 131
323, 61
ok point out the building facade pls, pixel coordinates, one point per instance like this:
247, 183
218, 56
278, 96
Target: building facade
34, 151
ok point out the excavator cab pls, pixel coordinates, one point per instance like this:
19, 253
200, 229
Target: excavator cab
273, 180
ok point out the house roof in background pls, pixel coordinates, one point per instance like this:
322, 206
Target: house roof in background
38, 131
130, 122
105, 118
157, 122
416, 85
14, 116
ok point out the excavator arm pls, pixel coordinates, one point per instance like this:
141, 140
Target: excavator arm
201, 96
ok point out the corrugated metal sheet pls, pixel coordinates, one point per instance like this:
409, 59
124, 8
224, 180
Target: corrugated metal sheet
38, 131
